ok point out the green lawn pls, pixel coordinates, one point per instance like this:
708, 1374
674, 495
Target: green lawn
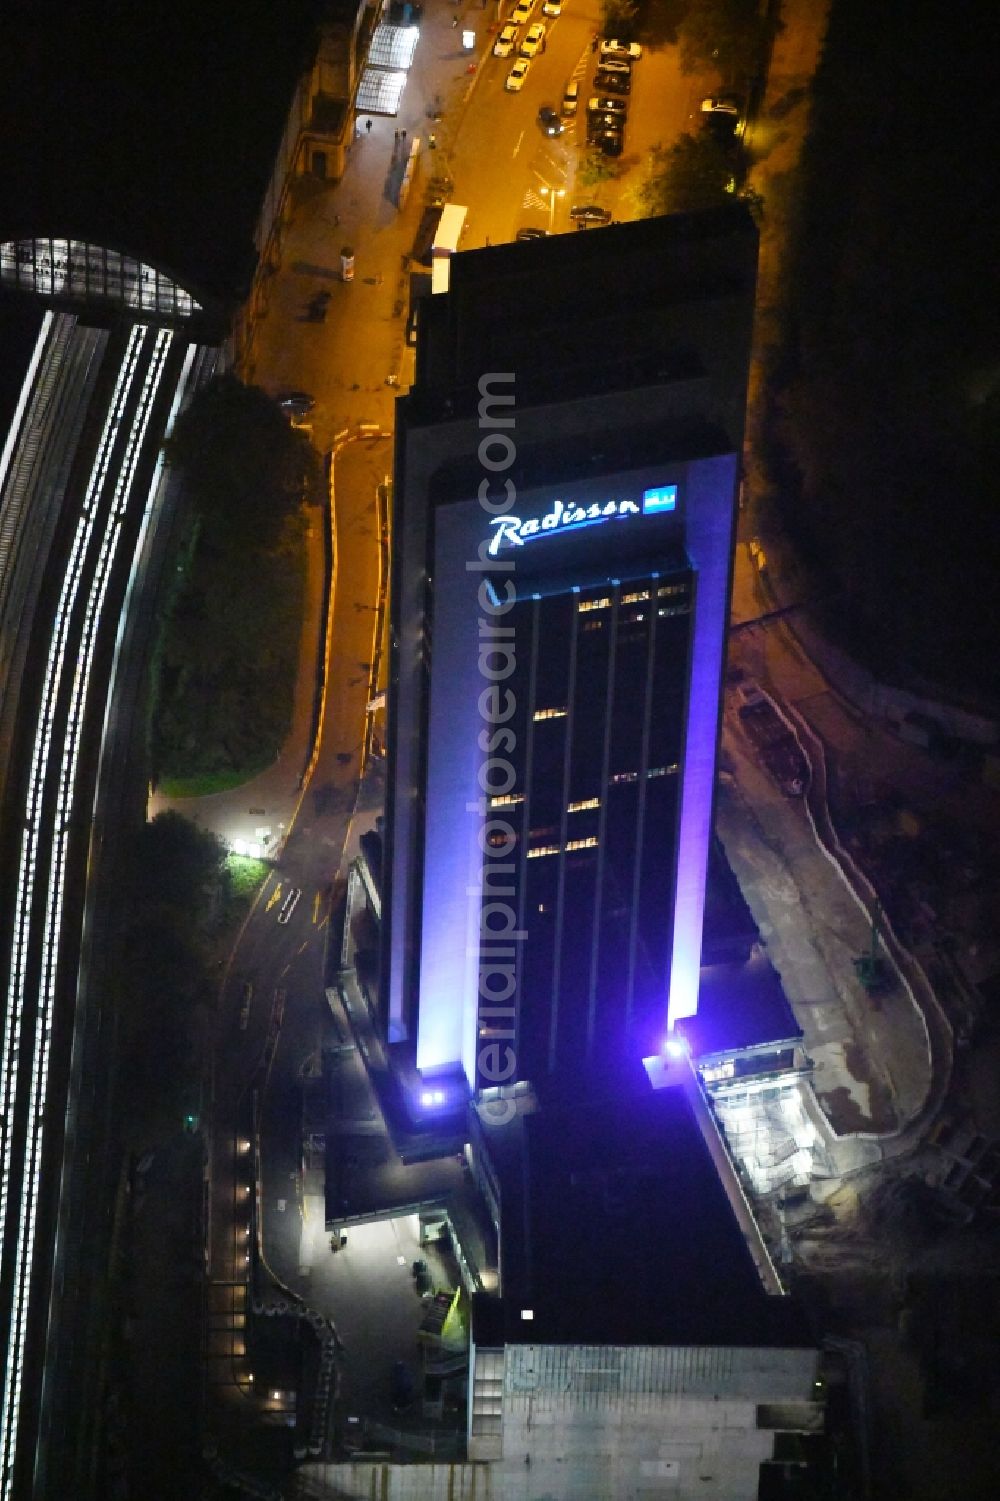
207, 783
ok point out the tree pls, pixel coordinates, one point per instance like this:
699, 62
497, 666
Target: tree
178, 865
725, 34
228, 650
618, 18
594, 169
694, 173
245, 468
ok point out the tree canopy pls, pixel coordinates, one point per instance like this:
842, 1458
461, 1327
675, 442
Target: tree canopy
245, 468
724, 34
884, 398
228, 651
692, 174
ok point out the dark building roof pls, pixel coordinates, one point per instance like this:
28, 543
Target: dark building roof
740, 1006
741, 1003
659, 300
730, 931
617, 1230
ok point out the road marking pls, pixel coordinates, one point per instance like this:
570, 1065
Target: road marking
274, 897
325, 921
317, 905
285, 970
519, 140
303, 945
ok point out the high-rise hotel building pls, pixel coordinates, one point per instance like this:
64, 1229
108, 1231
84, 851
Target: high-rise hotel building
567, 474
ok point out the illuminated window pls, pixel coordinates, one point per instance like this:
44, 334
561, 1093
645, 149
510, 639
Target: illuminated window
496, 840
636, 598
549, 714
674, 610
624, 776
669, 590
582, 844
543, 849
506, 799
593, 625
663, 771
583, 805
604, 603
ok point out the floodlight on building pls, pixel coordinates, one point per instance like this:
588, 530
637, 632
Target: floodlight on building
527, 1313
675, 1046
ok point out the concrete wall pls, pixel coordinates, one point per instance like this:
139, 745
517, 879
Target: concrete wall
607, 1423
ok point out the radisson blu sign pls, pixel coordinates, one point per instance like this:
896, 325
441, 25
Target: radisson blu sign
512, 531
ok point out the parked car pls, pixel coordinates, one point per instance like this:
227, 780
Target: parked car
534, 40
517, 75
614, 83
552, 8
722, 115
549, 120
617, 49
590, 213
504, 44
570, 100
598, 105
721, 104
439, 190
530, 233
522, 10
608, 142
599, 126
297, 403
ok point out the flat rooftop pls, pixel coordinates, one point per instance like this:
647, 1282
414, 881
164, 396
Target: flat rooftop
740, 1006
618, 1230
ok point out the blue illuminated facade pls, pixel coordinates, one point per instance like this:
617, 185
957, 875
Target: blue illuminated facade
559, 631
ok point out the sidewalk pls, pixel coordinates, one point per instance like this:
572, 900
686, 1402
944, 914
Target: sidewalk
344, 361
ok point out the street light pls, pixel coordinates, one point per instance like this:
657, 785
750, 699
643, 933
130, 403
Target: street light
552, 194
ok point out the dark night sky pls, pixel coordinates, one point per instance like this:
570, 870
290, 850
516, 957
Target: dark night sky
147, 124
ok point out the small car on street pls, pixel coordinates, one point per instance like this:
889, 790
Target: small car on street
598, 124
504, 44
624, 51
517, 75
534, 40
570, 100
604, 104
722, 115
609, 142
552, 8
297, 403
522, 10
613, 83
590, 213
548, 119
